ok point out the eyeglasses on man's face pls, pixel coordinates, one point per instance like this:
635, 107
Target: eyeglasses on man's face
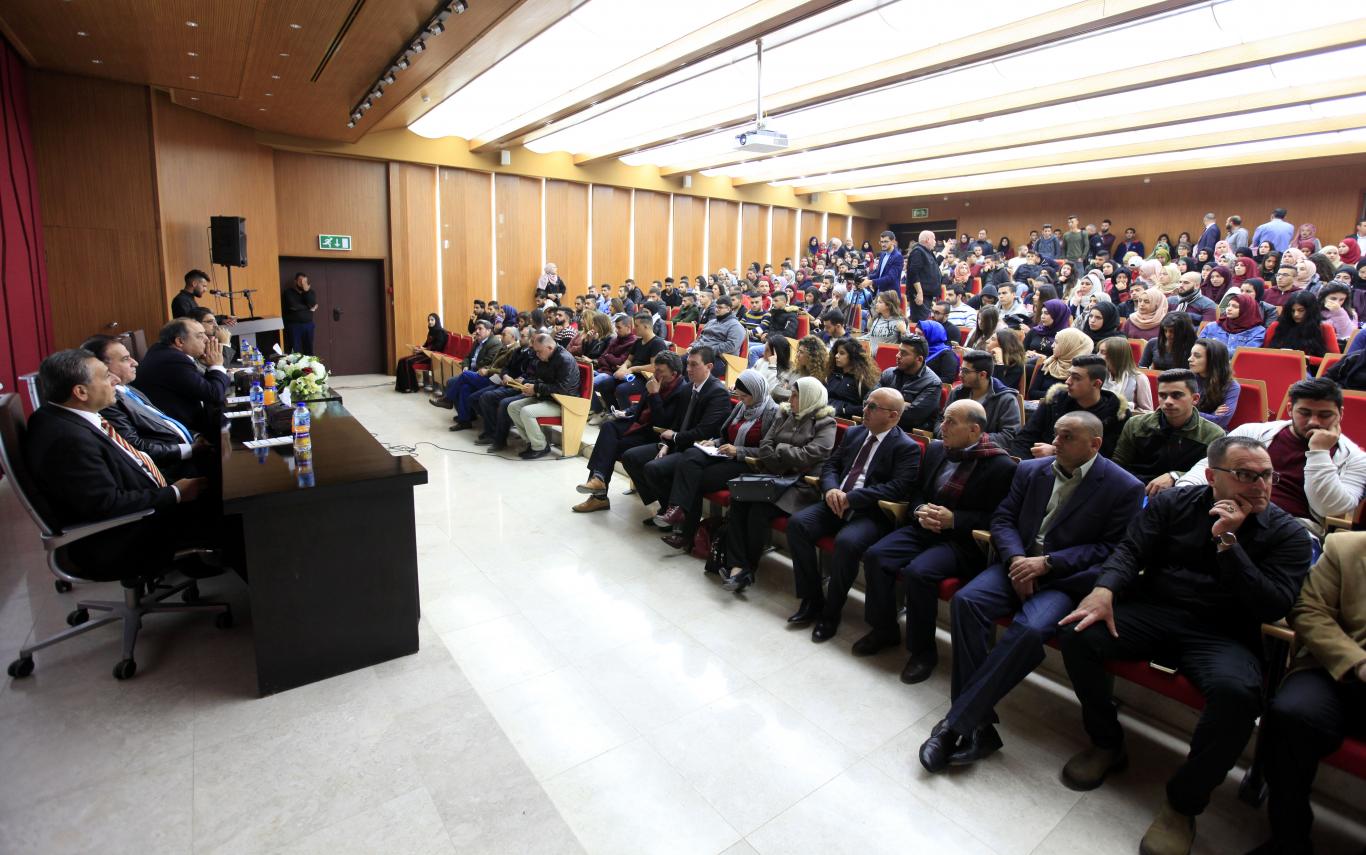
1247, 476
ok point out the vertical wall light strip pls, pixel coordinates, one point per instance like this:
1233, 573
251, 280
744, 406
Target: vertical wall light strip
493, 236
825, 226
631, 228
798, 231
669, 266
849, 229
739, 239
544, 260
590, 236
706, 234
440, 253
768, 240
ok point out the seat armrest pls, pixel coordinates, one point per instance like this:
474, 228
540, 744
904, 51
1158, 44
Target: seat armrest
896, 510
1337, 523
1279, 631
813, 480
983, 539
75, 533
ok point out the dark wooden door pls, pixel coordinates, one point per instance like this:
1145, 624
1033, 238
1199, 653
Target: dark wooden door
350, 316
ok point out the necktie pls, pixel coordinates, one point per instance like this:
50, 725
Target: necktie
859, 462
143, 460
692, 405
139, 400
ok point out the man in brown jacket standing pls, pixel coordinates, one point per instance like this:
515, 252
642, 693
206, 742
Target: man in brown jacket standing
1324, 698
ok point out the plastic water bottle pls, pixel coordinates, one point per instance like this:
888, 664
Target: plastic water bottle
258, 410
269, 383
303, 440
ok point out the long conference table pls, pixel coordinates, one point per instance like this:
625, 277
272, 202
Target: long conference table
331, 556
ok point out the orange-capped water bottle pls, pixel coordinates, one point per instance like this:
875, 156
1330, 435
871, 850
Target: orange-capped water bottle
269, 384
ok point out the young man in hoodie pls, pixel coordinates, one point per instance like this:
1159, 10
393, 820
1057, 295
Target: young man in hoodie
1001, 403
1082, 391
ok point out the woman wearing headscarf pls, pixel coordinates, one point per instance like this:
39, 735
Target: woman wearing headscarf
1092, 283
1100, 322
709, 464
1307, 239
1240, 324
1069, 344
940, 358
1053, 319
1217, 282
1243, 268
1349, 251
1168, 278
798, 443
1146, 320
405, 373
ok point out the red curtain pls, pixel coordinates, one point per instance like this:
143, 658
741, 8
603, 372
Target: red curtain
25, 315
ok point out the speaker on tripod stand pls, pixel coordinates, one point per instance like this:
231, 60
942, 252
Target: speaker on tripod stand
228, 241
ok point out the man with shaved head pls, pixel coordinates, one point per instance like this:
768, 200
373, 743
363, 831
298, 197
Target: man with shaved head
876, 461
963, 478
1061, 518
922, 276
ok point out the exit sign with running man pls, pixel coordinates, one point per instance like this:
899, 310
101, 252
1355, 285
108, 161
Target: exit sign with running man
335, 242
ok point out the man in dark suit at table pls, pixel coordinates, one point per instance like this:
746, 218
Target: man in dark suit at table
876, 461
963, 479
1061, 519
885, 274
169, 443
706, 406
88, 473
169, 380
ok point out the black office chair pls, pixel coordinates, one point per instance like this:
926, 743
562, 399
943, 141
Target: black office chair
142, 594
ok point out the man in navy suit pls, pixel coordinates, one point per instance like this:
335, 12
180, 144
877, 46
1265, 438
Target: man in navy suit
885, 274
168, 376
1209, 238
963, 479
1060, 521
876, 461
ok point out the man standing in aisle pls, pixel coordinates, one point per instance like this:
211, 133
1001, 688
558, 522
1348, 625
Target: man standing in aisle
297, 304
1210, 237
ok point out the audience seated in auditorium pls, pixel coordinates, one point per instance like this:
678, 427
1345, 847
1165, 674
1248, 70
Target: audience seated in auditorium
1100, 322
1007, 351
661, 407
1350, 371
1000, 403
1193, 594
939, 313
1158, 448
647, 345
168, 378
1082, 390
166, 441
1060, 519
1171, 348
833, 326
886, 324
876, 461
853, 374
1189, 301
491, 403
1299, 327
1150, 307
475, 369
708, 405
557, 374
1323, 699
1320, 472
724, 334
1219, 392
961, 481
405, 372
1241, 324
920, 387
1054, 318
1052, 371
613, 365
797, 444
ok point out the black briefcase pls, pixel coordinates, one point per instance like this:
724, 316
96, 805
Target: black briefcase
759, 488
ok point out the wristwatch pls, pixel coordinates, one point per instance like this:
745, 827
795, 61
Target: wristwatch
1227, 539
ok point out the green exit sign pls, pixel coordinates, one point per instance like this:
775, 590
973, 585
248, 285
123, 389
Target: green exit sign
920, 213
337, 242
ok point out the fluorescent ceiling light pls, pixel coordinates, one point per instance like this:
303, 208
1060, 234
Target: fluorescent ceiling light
595, 38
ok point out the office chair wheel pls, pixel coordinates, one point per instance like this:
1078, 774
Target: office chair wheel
223, 621
62, 586
21, 667
190, 594
125, 669
77, 617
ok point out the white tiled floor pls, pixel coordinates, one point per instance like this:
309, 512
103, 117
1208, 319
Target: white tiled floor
579, 688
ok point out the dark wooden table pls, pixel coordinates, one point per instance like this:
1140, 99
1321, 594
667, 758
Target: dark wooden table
331, 567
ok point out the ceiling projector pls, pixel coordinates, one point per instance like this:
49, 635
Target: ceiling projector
761, 140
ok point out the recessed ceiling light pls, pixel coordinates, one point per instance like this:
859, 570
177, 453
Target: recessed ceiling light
270, 94
275, 77
191, 53
98, 61
194, 76
82, 33
194, 97
296, 26
191, 24
285, 55
262, 109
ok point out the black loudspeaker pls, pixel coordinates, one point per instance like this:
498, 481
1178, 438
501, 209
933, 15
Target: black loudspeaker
228, 241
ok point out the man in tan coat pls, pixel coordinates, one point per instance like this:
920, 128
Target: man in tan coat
1324, 698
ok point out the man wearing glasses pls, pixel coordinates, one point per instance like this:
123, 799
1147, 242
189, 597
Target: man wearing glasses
1322, 473
1191, 582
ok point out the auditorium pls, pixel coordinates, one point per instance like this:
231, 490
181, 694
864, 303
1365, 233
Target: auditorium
782, 427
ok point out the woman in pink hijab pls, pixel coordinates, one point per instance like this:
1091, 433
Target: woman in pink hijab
1307, 239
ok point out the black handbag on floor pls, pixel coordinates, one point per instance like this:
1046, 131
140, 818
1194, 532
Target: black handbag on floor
759, 488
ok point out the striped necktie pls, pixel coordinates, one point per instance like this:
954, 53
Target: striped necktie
143, 460
139, 400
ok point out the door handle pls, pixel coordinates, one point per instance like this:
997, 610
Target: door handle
336, 314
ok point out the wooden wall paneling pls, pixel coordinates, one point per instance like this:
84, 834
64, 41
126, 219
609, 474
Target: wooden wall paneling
721, 235
316, 194
611, 235
412, 217
784, 235
566, 232
652, 237
1327, 194
467, 243
689, 235
98, 205
866, 229
753, 234
206, 167
518, 226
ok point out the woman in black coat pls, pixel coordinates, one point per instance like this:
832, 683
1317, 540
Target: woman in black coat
405, 373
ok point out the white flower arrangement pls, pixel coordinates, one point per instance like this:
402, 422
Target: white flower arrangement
300, 377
